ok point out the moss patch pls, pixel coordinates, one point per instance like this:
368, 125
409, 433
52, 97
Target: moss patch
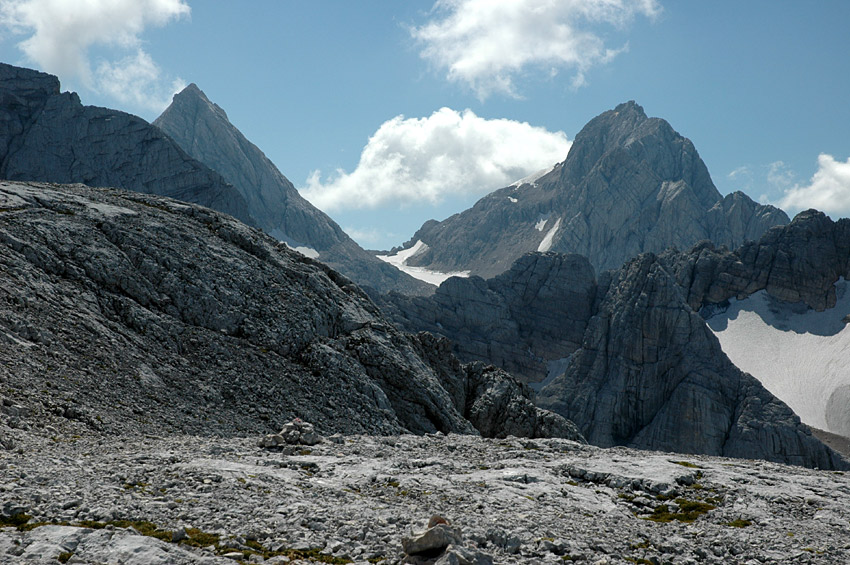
689, 511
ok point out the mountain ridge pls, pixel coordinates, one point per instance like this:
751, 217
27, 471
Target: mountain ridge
629, 184
204, 131
626, 354
52, 137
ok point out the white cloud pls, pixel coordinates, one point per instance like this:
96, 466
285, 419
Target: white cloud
61, 33
780, 176
136, 80
486, 44
411, 160
828, 190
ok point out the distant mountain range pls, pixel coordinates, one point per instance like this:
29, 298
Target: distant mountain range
627, 355
50, 136
169, 316
630, 184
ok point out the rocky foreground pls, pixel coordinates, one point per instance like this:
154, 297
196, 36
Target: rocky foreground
188, 499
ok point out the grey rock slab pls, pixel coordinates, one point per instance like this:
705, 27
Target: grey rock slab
135, 314
368, 493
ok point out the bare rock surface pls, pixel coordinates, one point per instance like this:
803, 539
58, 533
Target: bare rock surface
191, 499
50, 136
204, 131
130, 313
627, 356
630, 184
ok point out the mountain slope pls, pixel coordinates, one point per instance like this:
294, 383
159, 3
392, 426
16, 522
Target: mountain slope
136, 314
630, 184
203, 130
52, 137
628, 357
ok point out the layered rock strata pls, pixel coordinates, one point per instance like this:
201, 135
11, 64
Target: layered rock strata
627, 356
630, 184
134, 313
204, 131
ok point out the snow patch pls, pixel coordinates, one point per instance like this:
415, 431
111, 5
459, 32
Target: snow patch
546, 244
512, 199
399, 261
305, 250
798, 354
541, 224
530, 179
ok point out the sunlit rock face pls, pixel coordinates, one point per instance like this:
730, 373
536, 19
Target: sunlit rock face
630, 184
203, 130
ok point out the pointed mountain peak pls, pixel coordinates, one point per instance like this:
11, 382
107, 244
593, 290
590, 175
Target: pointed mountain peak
192, 91
634, 140
630, 108
190, 101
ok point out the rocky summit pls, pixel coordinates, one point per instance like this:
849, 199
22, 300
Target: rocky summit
627, 356
127, 313
433, 498
630, 184
50, 136
204, 131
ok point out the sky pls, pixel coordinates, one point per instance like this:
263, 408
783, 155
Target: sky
386, 114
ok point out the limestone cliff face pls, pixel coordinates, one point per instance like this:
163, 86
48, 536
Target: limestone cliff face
140, 314
630, 184
533, 313
650, 374
203, 130
50, 136
627, 356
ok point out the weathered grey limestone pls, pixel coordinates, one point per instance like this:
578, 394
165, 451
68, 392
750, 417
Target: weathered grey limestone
508, 500
628, 358
203, 130
630, 184
133, 313
52, 137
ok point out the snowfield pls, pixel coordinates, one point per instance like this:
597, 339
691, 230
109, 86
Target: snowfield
399, 261
799, 355
546, 244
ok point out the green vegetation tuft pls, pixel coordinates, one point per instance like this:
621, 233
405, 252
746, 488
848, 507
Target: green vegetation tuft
739, 523
687, 464
18, 520
64, 556
689, 511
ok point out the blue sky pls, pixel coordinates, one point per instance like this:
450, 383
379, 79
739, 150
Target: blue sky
392, 113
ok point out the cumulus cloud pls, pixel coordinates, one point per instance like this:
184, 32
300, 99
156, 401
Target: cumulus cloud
486, 44
828, 190
410, 160
62, 32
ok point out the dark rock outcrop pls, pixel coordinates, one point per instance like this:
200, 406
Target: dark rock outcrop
635, 363
630, 184
136, 313
797, 263
535, 312
50, 136
203, 130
